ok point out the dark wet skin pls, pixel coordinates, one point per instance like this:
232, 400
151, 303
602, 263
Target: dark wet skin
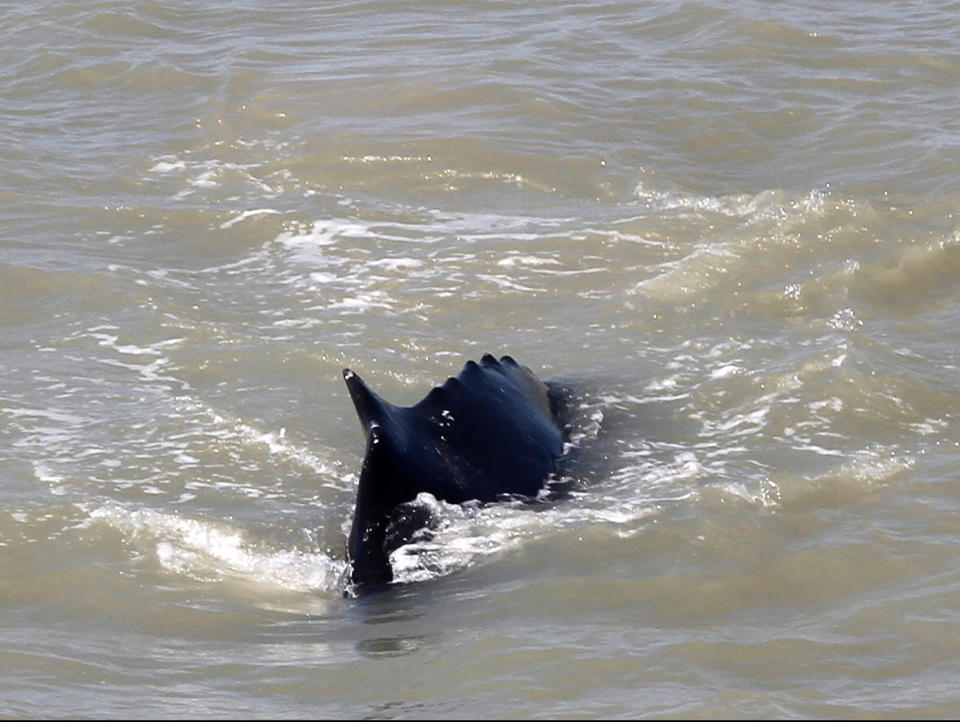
493, 430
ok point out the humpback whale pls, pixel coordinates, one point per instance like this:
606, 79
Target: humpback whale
493, 430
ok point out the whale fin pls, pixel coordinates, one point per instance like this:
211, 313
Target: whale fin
371, 409
490, 431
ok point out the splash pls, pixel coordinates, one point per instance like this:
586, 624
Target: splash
208, 550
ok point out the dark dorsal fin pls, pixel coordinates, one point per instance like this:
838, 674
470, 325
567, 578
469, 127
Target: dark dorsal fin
371, 409
439, 393
487, 432
485, 375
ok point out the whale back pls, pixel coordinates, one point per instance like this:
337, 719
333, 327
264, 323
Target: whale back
492, 430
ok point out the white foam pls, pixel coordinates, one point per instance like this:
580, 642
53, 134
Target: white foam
60, 417
362, 302
713, 260
367, 159
507, 284
323, 233
768, 204
875, 466
396, 264
465, 532
276, 443
726, 371
768, 496
470, 533
248, 214
211, 550
205, 179
511, 261
165, 166
930, 427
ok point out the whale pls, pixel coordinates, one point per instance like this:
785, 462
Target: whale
493, 432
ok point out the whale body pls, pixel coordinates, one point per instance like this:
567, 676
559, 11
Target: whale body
493, 430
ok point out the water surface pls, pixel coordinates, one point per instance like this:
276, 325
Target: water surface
730, 226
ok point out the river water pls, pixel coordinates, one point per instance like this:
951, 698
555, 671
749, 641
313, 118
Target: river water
731, 227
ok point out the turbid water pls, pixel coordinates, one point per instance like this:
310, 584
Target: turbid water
730, 226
